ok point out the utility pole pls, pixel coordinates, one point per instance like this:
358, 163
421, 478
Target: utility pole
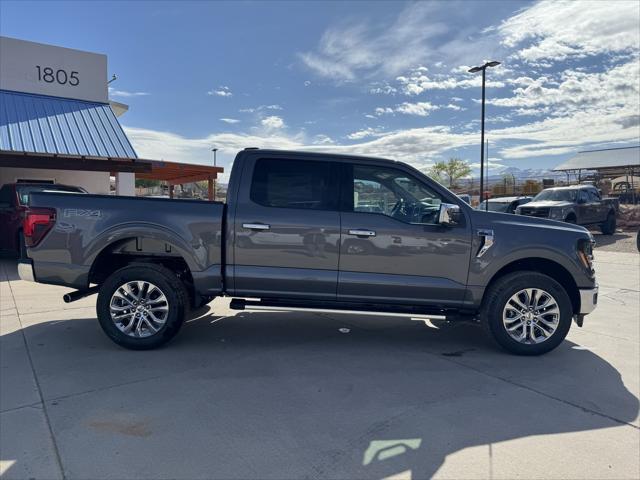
482, 69
486, 205
214, 150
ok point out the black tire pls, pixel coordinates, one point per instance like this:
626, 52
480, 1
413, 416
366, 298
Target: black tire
172, 288
499, 294
609, 226
571, 219
22, 247
638, 240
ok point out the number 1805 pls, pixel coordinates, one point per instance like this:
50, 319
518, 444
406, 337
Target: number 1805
49, 75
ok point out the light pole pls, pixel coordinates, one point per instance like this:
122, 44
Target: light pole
214, 150
483, 69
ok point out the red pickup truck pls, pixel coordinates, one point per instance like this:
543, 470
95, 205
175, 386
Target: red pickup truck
14, 198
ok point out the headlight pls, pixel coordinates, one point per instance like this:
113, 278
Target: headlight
585, 253
557, 213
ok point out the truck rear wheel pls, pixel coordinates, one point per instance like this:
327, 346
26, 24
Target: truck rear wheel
141, 307
527, 313
609, 226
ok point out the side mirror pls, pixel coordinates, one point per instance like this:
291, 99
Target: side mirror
449, 214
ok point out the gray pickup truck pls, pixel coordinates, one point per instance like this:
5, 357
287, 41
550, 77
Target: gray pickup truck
578, 204
314, 231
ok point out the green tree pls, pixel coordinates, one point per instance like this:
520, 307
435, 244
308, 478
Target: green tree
448, 172
146, 183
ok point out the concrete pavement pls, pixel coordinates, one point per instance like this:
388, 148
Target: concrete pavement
287, 395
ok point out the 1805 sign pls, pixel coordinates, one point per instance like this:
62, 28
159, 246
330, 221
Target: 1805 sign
60, 76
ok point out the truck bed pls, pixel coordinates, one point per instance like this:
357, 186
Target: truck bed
87, 225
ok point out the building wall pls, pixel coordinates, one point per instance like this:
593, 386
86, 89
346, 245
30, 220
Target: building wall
93, 182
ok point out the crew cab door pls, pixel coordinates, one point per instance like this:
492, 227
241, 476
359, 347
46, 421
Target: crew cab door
586, 209
393, 250
286, 229
598, 208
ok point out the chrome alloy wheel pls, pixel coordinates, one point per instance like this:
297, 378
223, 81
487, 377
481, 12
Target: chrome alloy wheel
139, 308
531, 316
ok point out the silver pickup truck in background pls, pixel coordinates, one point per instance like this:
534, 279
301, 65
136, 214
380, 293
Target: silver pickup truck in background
578, 204
314, 231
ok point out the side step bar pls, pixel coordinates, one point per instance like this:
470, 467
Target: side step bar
342, 308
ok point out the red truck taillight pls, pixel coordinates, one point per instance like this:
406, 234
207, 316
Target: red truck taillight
37, 222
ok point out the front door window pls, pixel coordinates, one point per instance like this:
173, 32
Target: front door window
394, 193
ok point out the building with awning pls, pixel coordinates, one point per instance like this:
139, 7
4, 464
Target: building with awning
58, 125
609, 162
620, 165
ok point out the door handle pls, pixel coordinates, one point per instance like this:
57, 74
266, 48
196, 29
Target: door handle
362, 233
256, 226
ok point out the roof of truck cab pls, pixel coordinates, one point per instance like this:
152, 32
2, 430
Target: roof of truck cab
507, 199
571, 187
320, 155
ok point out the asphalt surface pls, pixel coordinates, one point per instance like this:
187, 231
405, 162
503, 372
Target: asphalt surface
290, 395
621, 241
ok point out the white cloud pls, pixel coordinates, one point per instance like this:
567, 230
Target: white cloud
124, 94
307, 83
417, 81
421, 109
230, 120
158, 145
260, 108
323, 140
556, 30
272, 122
351, 49
365, 132
221, 91
577, 91
385, 89
383, 110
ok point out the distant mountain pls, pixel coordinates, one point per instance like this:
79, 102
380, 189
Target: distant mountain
526, 173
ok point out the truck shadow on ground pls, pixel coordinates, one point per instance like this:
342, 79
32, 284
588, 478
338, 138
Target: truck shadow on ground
288, 395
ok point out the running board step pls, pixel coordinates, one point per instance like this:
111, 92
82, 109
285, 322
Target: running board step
343, 308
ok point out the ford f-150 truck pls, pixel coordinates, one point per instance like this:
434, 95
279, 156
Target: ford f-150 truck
314, 231
579, 204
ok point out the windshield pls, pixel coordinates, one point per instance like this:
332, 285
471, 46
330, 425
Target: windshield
495, 206
25, 190
556, 195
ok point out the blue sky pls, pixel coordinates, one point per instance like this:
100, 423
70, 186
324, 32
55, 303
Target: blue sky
376, 78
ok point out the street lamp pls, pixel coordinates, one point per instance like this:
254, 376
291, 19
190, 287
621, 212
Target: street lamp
214, 150
482, 69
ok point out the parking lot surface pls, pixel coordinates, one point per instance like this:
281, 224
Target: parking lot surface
292, 395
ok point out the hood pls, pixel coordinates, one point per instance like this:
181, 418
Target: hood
548, 204
484, 219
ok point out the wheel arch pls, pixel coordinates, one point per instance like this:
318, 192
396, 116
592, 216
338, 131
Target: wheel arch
140, 250
545, 266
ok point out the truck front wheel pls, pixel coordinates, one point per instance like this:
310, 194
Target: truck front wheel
527, 313
141, 307
609, 226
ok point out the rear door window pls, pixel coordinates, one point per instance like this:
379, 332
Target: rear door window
301, 184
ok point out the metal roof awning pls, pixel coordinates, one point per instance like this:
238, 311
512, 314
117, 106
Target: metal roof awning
618, 159
72, 162
50, 125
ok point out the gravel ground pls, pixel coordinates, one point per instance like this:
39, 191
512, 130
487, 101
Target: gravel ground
621, 241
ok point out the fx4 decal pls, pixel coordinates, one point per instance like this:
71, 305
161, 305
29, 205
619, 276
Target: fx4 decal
82, 212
